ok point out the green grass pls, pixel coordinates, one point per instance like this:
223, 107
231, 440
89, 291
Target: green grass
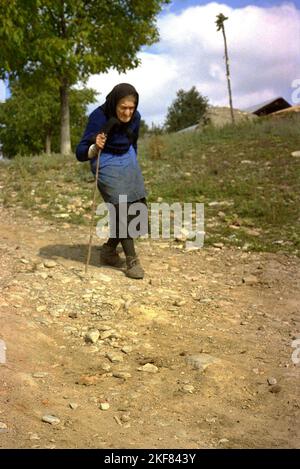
248, 170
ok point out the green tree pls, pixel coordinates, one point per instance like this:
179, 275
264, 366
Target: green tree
156, 129
67, 40
29, 119
220, 27
144, 128
186, 110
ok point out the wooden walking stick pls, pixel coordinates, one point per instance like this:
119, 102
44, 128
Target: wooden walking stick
105, 130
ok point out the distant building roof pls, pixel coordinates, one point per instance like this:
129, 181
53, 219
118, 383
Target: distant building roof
267, 107
219, 116
290, 110
188, 129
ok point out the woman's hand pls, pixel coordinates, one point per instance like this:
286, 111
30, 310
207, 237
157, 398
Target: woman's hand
100, 141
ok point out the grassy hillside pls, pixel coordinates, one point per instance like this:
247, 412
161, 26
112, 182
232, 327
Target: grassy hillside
245, 176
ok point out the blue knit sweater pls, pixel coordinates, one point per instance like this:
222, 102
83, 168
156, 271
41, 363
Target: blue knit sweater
118, 141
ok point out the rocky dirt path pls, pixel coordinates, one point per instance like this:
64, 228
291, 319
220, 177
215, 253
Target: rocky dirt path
198, 354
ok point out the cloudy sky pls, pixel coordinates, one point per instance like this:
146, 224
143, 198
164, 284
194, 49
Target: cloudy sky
264, 46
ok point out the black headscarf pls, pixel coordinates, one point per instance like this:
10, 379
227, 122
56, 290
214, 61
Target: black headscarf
118, 92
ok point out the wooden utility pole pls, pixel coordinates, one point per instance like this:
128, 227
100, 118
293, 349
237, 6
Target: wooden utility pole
220, 26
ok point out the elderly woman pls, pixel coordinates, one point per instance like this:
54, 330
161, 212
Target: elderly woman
119, 171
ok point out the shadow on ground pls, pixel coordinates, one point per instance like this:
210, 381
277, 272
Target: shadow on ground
77, 253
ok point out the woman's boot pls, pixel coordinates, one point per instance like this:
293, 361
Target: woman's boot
109, 256
134, 268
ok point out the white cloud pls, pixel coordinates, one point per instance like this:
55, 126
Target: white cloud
264, 58
152, 79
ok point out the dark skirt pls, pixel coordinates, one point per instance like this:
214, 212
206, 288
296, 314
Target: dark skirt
129, 220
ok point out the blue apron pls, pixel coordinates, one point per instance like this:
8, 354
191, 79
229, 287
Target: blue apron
119, 175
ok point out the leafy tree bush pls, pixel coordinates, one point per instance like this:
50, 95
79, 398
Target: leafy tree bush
186, 110
67, 40
30, 118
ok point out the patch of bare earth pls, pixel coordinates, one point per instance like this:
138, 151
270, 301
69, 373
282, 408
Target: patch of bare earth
196, 355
